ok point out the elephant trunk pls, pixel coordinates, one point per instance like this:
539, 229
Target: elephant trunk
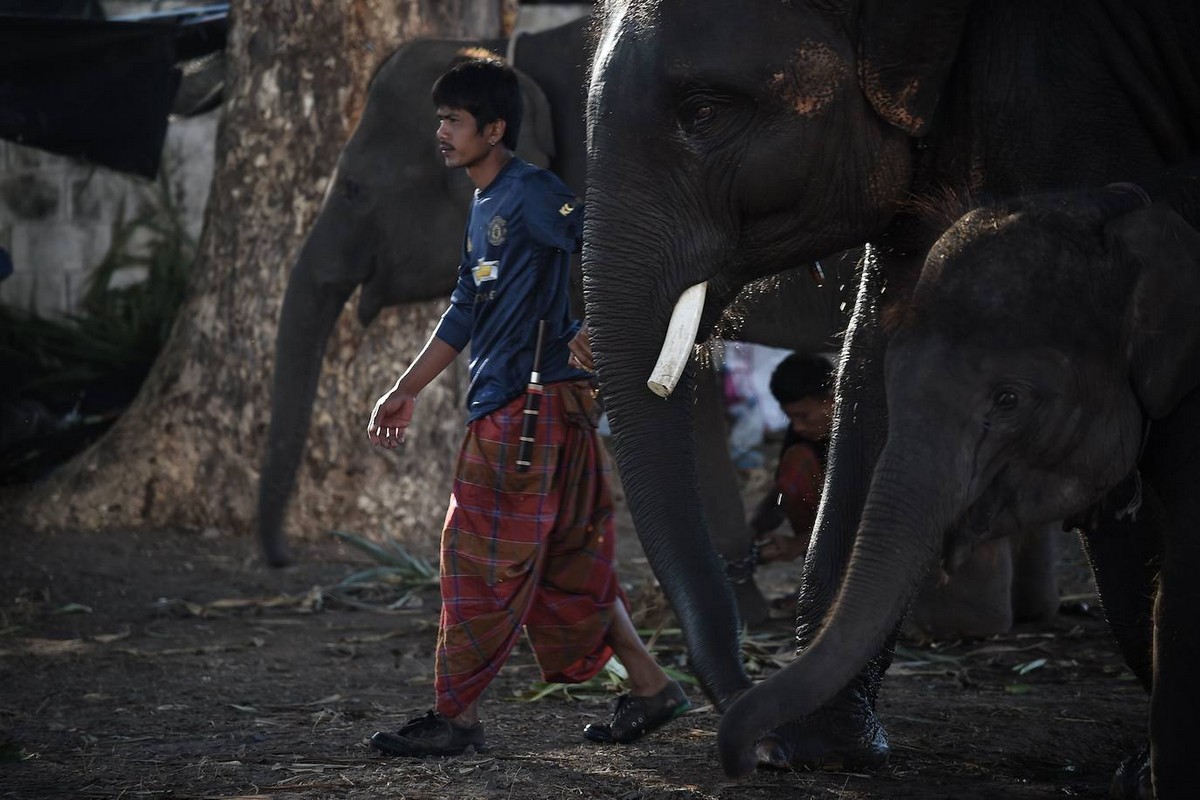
310, 310
901, 532
629, 302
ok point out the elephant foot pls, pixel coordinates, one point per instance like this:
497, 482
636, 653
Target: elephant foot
1132, 778
277, 556
843, 735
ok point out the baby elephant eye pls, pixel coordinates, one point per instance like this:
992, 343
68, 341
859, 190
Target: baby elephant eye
1005, 400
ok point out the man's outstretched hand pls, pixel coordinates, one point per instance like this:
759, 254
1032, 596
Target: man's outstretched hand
390, 419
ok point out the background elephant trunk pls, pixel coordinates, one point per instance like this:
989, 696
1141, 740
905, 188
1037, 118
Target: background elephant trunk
900, 534
310, 310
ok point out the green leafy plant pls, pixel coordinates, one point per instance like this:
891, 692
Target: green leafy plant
118, 331
394, 561
609, 681
392, 582
71, 377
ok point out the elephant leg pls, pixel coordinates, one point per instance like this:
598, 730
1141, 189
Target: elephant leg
975, 601
1004, 581
845, 732
1175, 700
1125, 556
1171, 468
722, 498
1035, 579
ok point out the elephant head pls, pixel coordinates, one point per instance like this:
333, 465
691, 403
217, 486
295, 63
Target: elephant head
710, 165
1040, 339
391, 217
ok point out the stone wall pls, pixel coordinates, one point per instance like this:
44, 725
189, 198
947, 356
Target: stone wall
57, 214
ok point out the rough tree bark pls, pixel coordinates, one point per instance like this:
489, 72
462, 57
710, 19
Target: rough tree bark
187, 452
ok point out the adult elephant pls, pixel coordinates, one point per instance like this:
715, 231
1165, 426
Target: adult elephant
1010, 402
792, 130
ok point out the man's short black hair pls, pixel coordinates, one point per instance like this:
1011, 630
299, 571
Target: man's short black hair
488, 89
801, 375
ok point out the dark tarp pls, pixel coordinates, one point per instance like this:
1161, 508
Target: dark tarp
93, 90
89, 9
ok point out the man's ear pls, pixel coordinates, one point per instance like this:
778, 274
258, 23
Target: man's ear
494, 131
906, 51
1162, 324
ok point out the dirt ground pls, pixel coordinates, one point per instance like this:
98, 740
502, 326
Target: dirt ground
177, 666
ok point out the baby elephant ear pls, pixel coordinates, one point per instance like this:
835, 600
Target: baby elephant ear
1164, 327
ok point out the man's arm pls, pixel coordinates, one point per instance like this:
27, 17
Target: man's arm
394, 410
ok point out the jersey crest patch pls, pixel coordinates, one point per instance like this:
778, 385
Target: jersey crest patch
497, 231
485, 271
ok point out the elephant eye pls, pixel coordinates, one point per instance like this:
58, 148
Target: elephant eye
349, 188
1005, 400
697, 111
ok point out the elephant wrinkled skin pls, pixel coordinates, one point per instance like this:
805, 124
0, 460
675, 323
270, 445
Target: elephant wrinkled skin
793, 130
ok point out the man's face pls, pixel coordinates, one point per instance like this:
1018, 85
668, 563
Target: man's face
460, 141
811, 416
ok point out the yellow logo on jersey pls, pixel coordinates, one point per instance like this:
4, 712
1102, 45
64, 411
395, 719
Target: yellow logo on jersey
485, 271
566, 209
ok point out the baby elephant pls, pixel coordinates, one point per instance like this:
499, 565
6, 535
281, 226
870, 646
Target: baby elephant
1050, 362
1046, 368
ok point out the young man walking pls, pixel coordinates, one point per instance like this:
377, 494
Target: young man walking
524, 548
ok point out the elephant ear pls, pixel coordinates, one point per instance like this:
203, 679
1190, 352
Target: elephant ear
536, 142
906, 52
1163, 328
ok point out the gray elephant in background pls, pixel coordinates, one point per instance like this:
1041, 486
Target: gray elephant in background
1047, 366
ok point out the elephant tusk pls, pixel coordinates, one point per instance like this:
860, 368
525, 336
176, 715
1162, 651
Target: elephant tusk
681, 336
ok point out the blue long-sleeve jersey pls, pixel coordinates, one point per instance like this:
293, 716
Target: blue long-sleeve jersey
515, 271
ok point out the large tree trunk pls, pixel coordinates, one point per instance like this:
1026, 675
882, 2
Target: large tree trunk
187, 453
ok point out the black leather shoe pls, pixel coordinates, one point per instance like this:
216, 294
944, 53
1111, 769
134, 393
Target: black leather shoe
636, 716
430, 735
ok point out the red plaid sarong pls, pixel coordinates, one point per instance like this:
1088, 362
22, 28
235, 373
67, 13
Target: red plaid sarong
532, 549
799, 479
